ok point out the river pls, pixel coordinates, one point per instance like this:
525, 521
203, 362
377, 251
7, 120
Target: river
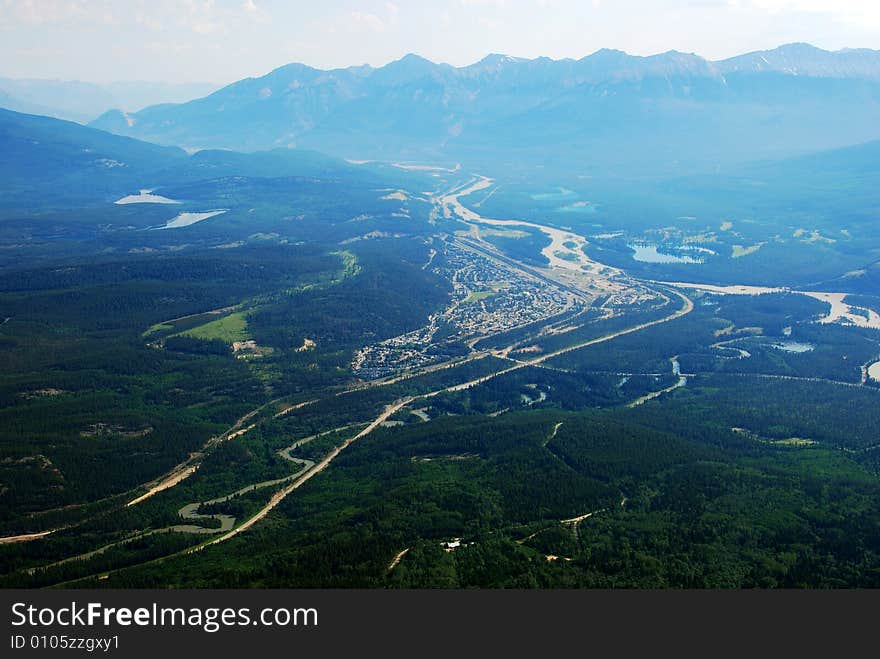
839, 311
565, 251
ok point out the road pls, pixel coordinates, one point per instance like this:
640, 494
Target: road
553, 434
189, 511
396, 406
167, 482
227, 522
25, 537
187, 468
279, 496
570, 275
399, 557
574, 521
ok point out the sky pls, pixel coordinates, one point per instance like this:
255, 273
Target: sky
220, 41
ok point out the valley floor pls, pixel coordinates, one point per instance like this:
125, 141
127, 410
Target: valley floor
514, 342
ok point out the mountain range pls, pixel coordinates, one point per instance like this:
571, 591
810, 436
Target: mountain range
43, 158
83, 101
673, 110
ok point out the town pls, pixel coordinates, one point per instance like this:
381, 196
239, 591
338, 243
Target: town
489, 297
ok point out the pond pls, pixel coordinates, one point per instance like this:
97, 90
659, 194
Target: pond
145, 197
582, 207
651, 254
794, 346
561, 194
187, 219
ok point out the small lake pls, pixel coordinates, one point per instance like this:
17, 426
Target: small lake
695, 248
794, 346
187, 219
528, 400
580, 207
651, 254
561, 194
145, 197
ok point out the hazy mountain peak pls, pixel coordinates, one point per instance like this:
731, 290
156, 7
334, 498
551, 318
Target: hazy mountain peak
807, 60
289, 70
670, 63
605, 52
799, 48
410, 61
404, 70
677, 56
352, 111
495, 63
498, 58
360, 69
415, 57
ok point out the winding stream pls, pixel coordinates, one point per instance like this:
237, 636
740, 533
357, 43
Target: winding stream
190, 512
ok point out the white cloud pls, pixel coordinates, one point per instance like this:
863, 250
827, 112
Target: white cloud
855, 12
43, 12
255, 12
199, 16
372, 22
482, 3
366, 20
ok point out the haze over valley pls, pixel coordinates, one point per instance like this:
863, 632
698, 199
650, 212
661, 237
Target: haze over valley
535, 323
